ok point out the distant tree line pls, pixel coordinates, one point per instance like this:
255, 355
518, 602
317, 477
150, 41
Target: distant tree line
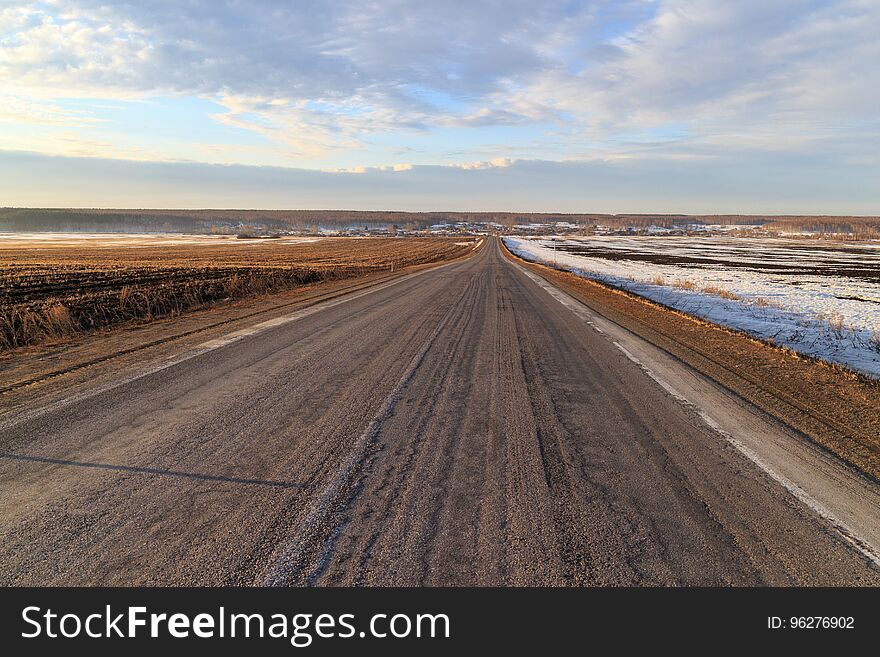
231, 221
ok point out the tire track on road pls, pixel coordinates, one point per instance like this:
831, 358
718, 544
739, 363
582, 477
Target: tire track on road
298, 564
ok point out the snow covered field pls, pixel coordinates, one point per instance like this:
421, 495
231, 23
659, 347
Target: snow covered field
819, 298
113, 240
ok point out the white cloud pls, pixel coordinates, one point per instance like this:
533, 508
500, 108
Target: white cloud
754, 185
496, 163
25, 110
753, 73
672, 79
312, 75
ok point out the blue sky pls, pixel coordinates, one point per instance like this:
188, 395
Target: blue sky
633, 105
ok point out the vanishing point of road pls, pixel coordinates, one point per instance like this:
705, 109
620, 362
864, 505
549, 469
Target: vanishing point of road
457, 426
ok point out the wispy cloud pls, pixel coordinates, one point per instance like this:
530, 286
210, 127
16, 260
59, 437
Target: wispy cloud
763, 184
28, 111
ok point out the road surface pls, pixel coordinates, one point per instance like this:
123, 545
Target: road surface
459, 426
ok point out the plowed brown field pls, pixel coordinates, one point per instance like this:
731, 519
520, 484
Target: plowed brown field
54, 289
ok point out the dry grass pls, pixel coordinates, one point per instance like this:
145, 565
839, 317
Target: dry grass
720, 292
684, 284
835, 323
50, 293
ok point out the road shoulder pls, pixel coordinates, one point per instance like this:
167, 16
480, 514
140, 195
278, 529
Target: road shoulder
844, 496
834, 408
35, 376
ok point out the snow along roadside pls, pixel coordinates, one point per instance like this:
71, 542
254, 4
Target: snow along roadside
848, 502
807, 335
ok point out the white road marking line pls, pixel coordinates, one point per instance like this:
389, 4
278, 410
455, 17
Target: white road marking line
851, 537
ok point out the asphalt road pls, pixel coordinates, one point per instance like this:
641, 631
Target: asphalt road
460, 426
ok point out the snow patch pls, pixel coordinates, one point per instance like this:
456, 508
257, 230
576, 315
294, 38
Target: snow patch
832, 317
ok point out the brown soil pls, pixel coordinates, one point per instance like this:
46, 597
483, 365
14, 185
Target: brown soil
131, 341
52, 291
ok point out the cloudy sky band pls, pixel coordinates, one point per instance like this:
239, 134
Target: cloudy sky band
637, 104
